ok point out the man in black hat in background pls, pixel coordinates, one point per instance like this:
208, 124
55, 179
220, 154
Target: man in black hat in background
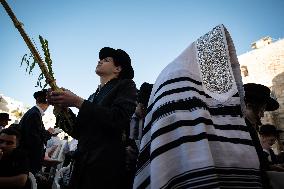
137, 121
4, 119
101, 123
34, 135
257, 101
268, 135
135, 131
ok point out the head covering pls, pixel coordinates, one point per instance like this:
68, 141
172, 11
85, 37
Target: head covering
268, 129
40, 96
144, 93
257, 93
194, 134
121, 58
4, 116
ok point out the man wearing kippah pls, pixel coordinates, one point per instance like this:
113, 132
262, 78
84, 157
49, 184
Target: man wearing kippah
34, 135
102, 122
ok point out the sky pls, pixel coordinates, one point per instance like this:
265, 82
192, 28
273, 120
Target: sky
152, 32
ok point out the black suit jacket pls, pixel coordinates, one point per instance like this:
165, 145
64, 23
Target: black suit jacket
34, 136
100, 127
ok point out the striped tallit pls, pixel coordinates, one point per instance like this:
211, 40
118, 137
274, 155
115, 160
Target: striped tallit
194, 134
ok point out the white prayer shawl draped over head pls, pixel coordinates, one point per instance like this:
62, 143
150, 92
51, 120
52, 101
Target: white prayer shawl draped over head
194, 134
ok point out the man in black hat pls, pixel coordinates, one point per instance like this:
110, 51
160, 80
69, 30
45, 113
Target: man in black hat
101, 123
257, 101
137, 120
34, 135
4, 119
135, 130
268, 135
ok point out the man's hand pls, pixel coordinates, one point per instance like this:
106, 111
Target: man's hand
64, 99
50, 130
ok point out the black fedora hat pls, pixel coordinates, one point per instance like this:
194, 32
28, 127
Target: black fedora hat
4, 116
268, 129
257, 93
144, 93
121, 58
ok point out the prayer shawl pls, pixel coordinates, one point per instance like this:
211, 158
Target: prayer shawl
194, 134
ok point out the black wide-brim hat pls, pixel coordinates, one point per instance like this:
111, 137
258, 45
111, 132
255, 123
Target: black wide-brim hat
257, 93
41, 93
144, 93
121, 58
4, 116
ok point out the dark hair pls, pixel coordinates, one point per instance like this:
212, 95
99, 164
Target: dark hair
12, 131
120, 58
40, 96
269, 130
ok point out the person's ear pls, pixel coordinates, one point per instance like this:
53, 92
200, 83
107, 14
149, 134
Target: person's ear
118, 69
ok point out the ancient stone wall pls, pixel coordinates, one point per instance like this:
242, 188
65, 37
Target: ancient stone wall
265, 66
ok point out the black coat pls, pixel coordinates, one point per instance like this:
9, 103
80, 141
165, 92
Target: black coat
101, 124
34, 136
264, 164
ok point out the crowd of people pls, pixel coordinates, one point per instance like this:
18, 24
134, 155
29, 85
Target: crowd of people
196, 127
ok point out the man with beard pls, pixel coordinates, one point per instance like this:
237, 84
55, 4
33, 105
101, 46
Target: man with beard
258, 100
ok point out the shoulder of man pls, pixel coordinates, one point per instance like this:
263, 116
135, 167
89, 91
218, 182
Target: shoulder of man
31, 111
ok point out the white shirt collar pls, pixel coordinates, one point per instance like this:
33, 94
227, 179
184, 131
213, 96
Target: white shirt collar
41, 110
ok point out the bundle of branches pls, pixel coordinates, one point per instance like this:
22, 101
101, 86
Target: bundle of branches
65, 118
31, 61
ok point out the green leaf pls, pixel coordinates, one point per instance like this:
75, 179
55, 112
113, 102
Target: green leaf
24, 59
32, 66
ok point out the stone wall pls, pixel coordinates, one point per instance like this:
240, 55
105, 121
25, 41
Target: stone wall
265, 66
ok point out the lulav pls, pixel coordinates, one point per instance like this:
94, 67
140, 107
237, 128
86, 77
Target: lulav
66, 119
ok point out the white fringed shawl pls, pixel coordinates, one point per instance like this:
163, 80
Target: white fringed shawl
194, 134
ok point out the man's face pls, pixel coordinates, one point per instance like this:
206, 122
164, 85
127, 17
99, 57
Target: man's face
7, 143
106, 67
255, 112
267, 141
140, 110
4, 122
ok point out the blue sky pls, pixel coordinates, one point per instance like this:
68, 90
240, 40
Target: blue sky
153, 32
